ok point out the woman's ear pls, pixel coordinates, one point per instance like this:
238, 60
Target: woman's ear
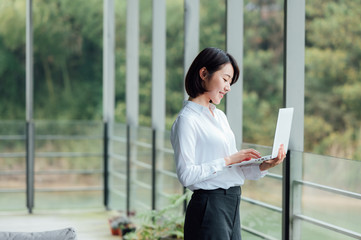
203, 73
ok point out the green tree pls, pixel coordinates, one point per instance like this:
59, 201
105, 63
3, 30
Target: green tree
262, 69
68, 65
333, 59
12, 60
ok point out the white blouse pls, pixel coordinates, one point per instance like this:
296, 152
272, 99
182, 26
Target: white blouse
200, 142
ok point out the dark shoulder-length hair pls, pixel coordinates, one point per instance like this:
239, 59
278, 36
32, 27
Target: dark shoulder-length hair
212, 59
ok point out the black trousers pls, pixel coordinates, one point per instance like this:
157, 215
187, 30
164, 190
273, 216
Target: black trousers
213, 215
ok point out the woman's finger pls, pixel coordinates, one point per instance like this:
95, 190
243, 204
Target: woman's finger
251, 153
255, 153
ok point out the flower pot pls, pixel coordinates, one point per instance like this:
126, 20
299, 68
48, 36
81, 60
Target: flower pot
114, 230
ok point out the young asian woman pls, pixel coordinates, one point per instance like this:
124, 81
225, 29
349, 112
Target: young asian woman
204, 146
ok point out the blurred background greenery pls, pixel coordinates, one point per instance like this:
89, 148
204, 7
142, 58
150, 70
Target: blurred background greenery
68, 64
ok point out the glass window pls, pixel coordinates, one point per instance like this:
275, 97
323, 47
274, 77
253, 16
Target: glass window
12, 59
120, 61
332, 78
175, 60
262, 69
68, 60
12, 105
212, 28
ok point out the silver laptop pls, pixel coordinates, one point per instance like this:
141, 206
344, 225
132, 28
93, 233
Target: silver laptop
282, 136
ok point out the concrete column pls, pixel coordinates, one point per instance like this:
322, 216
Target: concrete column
108, 88
234, 41
108, 61
294, 71
159, 64
158, 93
29, 62
191, 34
294, 82
132, 68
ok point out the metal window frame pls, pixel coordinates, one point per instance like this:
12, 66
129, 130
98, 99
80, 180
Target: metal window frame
29, 107
293, 96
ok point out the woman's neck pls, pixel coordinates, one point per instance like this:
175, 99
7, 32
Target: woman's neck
201, 100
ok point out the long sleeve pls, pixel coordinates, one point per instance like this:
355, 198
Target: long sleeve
200, 142
252, 172
184, 141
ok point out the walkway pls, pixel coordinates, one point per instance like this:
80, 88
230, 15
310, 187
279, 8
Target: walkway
88, 225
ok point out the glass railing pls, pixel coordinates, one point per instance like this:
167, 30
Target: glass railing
142, 170
329, 191
12, 165
325, 199
117, 168
68, 165
167, 184
261, 205
324, 194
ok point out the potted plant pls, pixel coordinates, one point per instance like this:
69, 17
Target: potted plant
120, 225
113, 224
166, 223
126, 227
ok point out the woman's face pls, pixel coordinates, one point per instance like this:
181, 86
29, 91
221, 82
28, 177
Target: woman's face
219, 83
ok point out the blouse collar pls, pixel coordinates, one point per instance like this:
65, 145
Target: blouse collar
199, 108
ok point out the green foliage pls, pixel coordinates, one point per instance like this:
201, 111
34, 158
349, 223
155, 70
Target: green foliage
262, 70
333, 59
174, 64
212, 24
68, 64
12, 58
257, 126
266, 83
12, 13
166, 223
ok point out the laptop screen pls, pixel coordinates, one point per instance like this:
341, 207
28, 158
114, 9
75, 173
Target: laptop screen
283, 130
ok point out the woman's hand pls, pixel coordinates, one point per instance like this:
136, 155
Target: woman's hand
243, 155
275, 161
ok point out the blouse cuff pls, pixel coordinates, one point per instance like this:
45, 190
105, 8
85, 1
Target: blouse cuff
217, 165
253, 172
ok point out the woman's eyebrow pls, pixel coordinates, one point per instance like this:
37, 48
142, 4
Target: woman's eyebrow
228, 75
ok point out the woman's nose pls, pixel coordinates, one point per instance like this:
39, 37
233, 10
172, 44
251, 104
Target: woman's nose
227, 87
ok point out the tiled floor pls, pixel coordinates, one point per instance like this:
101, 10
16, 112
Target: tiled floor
88, 225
